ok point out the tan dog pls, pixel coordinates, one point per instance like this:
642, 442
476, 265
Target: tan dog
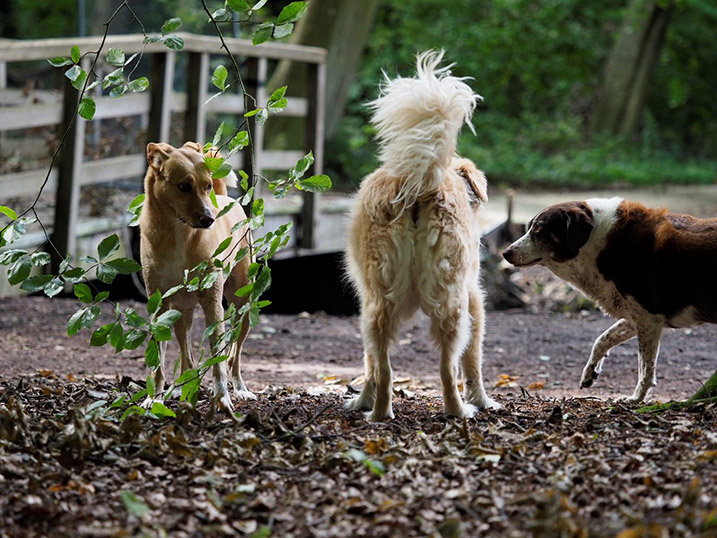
178, 231
414, 239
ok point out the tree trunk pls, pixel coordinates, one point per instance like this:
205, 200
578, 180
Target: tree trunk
629, 68
340, 26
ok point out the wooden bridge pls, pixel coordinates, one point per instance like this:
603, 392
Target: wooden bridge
54, 109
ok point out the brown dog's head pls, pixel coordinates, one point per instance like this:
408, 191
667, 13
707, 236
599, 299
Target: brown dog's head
180, 180
555, 234
475, 180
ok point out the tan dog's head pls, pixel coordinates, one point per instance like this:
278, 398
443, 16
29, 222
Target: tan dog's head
475, 180
180, 180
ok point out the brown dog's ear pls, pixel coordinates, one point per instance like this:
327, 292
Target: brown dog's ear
475, 179
194, 145
157, 154
580, 225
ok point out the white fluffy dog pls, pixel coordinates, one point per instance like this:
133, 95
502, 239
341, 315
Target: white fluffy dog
414, 239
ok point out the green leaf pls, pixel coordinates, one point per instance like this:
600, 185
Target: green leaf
8, 212
113, 78
115, 57
238, 5
135, 208
151, 354
73, 72
116, 336
160, 333
292, 12
259, 5
40, 258
11, 256
171, 25
262, 33
219, 78
133, 339
75, 322
262, 282
320, 183
90, 316
139, 85
277, 95
162, 411
154, 302
220, 15
36, 283
118, 91
213, 163
218, 135
223, 171
83, 293
54, 286
75, 54
124, 266
134, 505
225, 210
301, 166
152, 39
99, 337
283, 30
238, 142
209, 280
59, 61
106, 273
262, 532
74, 275
222, 246
262, 116
108, 246
101, 296
168, 318
151, 386
213, 198
173, 42
79, 82
171, 291
87, 107
20, 271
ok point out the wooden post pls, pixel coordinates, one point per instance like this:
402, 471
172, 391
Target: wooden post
160, 96
251, 82
67, 198
315, 121
195, 127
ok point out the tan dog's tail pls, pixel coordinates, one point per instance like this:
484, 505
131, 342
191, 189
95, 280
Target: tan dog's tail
418, 120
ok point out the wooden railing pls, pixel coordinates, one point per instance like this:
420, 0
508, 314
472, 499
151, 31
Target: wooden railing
157, 105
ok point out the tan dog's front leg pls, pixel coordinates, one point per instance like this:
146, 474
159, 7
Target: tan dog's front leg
211, 303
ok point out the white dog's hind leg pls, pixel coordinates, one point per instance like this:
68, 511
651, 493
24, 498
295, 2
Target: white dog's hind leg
648, 343
618, 333
365, 400
379, 324
451, 330
472, 358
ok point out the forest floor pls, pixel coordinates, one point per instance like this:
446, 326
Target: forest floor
554, 461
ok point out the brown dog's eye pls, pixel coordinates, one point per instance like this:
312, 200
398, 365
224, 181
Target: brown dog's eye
184, 187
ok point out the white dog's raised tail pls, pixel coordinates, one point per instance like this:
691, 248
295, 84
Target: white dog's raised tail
418, 120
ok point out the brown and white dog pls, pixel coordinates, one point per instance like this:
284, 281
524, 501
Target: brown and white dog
179, 230
649, 268
414, 239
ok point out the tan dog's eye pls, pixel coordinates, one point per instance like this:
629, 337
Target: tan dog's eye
209, 187
184, 187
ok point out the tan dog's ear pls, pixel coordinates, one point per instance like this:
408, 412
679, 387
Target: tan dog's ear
157, 154
475, 179
194, 145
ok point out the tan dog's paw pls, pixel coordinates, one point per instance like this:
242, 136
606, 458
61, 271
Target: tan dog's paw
244, 394
149, 402
377, 416
488, 403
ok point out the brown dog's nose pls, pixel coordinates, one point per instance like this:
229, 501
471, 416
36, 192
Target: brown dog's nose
508, 254
205, 221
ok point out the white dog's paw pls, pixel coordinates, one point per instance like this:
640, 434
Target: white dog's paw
487, 403
244, 394
378, 416
466, 410
359, 403
589, 376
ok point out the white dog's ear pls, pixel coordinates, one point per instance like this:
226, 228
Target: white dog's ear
157, 154
475, 179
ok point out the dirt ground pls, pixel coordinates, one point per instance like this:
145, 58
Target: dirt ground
296, 463
545, 351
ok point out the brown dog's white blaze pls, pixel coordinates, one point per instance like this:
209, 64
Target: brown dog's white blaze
183, 172
649, 268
